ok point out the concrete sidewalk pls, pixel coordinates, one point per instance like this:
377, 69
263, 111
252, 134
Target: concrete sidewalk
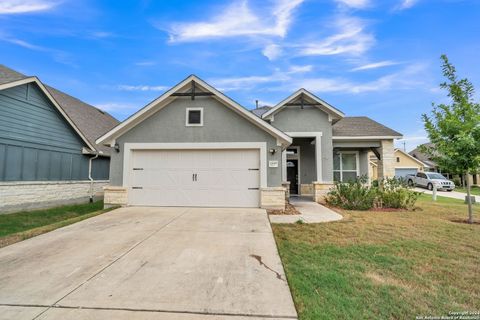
310, 212
451, 194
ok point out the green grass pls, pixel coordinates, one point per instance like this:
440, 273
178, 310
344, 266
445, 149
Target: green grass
384, 265
22, 221
475, 190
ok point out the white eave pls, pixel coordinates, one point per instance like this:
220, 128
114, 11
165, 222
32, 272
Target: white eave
110, 137
329, 109
52, 100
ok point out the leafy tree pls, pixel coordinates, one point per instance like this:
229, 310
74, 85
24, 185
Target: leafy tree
454, 129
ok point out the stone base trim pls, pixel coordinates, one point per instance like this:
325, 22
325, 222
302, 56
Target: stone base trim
306, 189
286, 185
31, 195
115, 196
320, 190
272, 198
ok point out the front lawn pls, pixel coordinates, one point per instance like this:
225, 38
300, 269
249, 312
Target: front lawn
384, 265
18, 226
475, 190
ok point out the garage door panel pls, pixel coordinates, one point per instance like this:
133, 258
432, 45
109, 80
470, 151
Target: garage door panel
229, 178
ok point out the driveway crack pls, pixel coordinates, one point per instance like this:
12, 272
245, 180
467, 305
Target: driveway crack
259, 259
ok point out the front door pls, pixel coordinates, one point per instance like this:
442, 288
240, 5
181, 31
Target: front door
292, 175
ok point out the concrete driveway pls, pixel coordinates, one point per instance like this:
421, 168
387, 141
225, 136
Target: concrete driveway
149, 263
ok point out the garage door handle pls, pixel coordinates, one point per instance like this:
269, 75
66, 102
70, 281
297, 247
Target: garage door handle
137, 187
253, 188
194, 177
253, 169
137, 168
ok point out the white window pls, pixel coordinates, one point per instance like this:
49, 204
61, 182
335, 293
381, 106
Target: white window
345, 166
194, 117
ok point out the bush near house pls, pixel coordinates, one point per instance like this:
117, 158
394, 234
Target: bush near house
358, 195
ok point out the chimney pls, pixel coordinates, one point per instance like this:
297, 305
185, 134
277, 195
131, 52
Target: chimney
256, 104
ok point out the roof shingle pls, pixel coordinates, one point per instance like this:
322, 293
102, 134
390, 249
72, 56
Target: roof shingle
361, 127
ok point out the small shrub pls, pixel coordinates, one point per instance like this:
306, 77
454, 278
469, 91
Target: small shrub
395, 193
352, 195
358, 195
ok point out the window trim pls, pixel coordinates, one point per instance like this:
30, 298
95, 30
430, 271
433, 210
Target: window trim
357, 164
187, 111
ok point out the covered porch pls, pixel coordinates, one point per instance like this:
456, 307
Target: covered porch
310, 166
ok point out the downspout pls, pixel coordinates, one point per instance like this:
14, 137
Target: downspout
90, 175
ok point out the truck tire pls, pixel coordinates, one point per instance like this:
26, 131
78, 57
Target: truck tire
410, 182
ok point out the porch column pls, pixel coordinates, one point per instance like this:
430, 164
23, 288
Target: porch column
386, 164
284, 165
318, 156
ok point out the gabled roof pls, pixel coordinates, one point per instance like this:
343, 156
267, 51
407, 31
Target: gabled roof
322, 105
362, 127
409, 156
260, 110
166, 98
423, 157
89, 122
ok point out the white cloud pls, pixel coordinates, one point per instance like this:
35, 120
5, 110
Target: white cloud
412, 140
249, 82
145, 63
375, 65
406, 4
124, 87
25, 6
272, 51
351, 38
409, 77
238, 20
357, 4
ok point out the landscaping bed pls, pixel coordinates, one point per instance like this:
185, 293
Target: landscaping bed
384, 265
19, 226
289, 210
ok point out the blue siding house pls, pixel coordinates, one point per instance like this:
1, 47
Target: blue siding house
48, 154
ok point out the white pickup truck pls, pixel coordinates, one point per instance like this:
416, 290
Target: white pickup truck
429, 180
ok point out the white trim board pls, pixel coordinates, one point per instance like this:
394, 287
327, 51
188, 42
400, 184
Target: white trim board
52, 100
187, 110
366, 137
410, 156
324, 106
128, 147
162, 101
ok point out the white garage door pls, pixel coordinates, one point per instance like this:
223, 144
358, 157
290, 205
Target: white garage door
199, 178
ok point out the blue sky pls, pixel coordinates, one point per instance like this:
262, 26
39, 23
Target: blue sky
366, 57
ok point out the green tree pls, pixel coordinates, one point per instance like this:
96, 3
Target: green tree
454, 128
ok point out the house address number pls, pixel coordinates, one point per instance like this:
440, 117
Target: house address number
273, 164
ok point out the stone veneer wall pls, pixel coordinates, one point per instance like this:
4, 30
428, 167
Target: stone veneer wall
386, 165
320, 190
115, 196
29, 195
272, 198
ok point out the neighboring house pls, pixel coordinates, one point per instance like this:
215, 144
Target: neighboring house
432, 166
48, 154
194, 146
405, 164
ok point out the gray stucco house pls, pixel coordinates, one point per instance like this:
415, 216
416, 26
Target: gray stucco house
194, 146
48, 154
